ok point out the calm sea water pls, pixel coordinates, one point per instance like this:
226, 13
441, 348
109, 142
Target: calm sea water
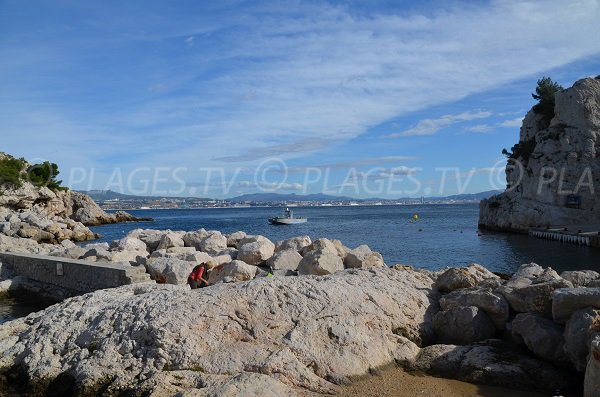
444, 235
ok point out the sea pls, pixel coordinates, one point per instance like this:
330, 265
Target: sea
424, 236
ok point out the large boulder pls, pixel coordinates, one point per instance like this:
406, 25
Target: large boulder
591, 384
567, 301
235, 270
214, 243
131, 257
194, 239
256, 250
534, 293
304, 332
130, 244
362, 256
320, 262
462, 325
170, 240
294, 243
493, 362
463, 277
542, 336
285, 260
169, 270
234, 238
151, 237
580, 278
581, 329
493, 304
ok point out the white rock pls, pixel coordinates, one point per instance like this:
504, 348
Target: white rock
288, 259
213, 243
295, 243
238, 270
162, 338
362, 256
234, 238
567, 301
579, 333
256, 252
170, 240
130, 244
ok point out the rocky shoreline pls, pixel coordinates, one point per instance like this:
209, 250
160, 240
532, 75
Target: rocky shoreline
299, 317
50, 215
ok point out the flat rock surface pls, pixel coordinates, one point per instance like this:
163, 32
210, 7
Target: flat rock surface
303, 332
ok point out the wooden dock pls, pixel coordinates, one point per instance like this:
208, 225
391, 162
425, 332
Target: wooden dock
587, 235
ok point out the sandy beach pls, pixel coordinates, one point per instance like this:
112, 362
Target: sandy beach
395, 382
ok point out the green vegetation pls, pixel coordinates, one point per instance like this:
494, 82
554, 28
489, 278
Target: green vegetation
11, 170
521, 150
15, 171
544, 93
44, 174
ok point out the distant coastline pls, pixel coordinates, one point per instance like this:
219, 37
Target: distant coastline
113, 201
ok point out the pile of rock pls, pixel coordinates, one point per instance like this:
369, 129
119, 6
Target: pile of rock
51, 216
169, 256
32, 225
556, 317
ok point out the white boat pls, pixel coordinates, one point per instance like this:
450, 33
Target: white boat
287, 219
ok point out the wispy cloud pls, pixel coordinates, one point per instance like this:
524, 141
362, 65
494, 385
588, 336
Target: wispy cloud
486, 128
432, 126
271, 186
511, 123
479, 128
260, 78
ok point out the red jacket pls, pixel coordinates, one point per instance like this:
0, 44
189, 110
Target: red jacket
197, 274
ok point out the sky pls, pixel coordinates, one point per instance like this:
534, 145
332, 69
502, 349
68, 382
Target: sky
216, 99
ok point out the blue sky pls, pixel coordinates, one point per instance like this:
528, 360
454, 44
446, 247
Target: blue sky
215, 99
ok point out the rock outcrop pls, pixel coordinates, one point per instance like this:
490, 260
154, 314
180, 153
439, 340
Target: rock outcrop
553, 172
50, 215
283, 333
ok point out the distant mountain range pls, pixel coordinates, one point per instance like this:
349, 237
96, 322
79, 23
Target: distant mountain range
104, 195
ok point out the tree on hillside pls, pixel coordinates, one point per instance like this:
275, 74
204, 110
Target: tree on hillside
10, 171
544, 93
44, 174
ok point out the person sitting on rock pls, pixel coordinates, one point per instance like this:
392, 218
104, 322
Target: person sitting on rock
195, 279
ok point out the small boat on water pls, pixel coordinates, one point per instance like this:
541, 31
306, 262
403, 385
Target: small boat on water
287, 219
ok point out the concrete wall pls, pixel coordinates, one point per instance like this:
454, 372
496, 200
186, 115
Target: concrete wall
75, 276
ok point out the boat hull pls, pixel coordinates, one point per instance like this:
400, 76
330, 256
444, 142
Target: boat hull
287, 221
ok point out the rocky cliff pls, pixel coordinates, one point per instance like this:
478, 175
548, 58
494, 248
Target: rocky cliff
553, 173
50, 215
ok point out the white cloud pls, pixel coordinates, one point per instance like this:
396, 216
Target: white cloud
511, 123
432, 126
271, 186
480, 128
314, 72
